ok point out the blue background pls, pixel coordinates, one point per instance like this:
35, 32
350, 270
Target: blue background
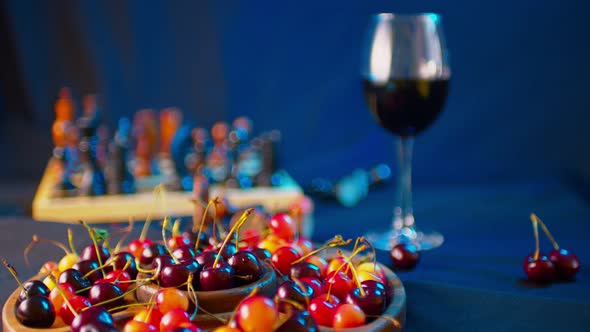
514, 136
518, 106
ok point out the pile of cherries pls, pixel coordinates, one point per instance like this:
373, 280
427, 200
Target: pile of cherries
560, 264
82, 290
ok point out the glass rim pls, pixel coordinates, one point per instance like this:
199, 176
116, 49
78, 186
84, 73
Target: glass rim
390, 16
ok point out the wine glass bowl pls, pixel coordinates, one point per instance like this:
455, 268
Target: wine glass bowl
405, 77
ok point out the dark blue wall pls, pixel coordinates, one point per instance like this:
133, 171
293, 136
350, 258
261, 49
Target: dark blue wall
518, 106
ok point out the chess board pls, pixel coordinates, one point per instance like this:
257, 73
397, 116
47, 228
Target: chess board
49, 207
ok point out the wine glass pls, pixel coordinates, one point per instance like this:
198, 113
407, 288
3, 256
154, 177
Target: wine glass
405, 72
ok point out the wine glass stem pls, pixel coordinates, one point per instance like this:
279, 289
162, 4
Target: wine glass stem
403, 216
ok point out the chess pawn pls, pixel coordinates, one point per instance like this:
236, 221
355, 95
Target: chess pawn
121, 179
143, 157
145, 124
170, 120
93, 181
64, 106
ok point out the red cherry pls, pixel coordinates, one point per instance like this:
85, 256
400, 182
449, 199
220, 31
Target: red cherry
78, 303
57, 299
177, 241
283, 257
566, 263
117, 277
404, 255
257, 313
347, 316
323, 310
173, 319
136, 247
338, 284
282, 226
539, 270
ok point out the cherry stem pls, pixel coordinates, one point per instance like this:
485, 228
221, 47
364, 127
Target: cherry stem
12, 271
337, 241
356, 278
99, 268
127, 230
203, 221
164, 225
151, 307
36, 239
346, 263
536, 232
91, 232
71, 241
130, 305
546, 230
192, 295
157, 191
297, 305
240, 221
61, 293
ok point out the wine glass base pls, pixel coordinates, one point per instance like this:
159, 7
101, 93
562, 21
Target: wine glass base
423, 239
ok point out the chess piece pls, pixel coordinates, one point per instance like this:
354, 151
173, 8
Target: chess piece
145, 133
268, 158
93, 180
120, 178
64, 113
217, 161
181, 148
170, 120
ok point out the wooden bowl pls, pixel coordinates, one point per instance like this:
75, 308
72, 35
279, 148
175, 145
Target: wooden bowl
222, 301
395, 312
11, 324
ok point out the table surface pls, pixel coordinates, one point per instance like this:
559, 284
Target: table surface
474, 282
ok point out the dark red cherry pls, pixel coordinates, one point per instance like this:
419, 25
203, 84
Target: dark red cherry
372, 302
405, 256
305, 270
89, 252
86, 266
216, 278
376, 284
299, 321
246, 267
540, 270
292, 291
228, 250
120, 259
96, 316
102, 292
162, 261
566, 263
35, 311
148, 254
315, 283
184, 252
174, 275
32, 288
206, 258
262, 254
75, 278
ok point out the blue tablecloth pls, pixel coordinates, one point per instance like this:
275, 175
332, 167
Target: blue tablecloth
474, 282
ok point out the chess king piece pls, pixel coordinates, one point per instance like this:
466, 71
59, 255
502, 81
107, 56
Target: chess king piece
93, 180
64, 114
120, 178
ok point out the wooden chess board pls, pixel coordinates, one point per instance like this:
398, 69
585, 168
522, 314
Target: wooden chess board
119, 208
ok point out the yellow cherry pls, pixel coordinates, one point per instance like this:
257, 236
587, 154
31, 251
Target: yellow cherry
373, 268
67, 262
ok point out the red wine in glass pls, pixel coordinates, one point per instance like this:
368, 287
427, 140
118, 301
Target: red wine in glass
405, 73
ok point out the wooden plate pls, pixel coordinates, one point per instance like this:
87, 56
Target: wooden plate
226, 300
11, 324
